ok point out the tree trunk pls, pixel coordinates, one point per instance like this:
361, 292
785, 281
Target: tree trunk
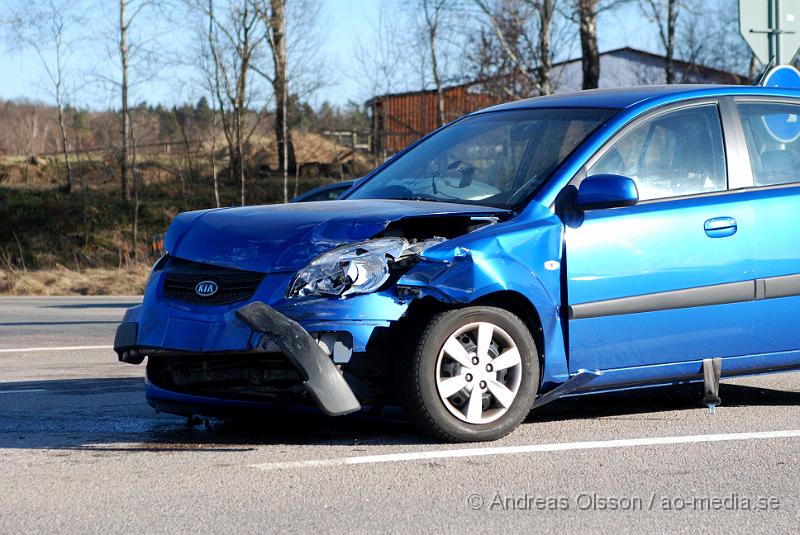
125, 126
64, 144
226, 119
437, 80
297, 180
239, 164
672, 19
546, 10
214, 156
240, 101
185, 183
136, 193
590, 58
187, 148
283, 136
432, 24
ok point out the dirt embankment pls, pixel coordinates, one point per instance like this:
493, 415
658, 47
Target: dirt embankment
63, 281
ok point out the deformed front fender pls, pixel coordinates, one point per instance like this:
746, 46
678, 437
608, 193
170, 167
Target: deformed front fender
521, 256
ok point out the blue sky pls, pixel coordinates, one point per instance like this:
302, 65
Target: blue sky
346, 23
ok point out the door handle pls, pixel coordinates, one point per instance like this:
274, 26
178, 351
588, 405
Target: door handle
720, 227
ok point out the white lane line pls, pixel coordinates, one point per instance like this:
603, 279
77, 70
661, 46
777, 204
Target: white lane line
532, 448
22, 391
67, 348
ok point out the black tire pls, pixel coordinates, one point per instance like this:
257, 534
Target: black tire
427, 410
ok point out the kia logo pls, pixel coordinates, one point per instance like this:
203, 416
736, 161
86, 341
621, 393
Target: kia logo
206, 288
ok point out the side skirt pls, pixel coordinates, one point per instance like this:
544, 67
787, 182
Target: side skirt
676, 373
573, 384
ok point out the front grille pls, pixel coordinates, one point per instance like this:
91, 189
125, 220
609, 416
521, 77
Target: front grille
233, 285
252, 376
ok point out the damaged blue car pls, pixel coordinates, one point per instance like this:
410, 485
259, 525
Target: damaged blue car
557, 246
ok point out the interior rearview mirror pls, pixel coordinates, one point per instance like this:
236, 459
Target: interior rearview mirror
606, 191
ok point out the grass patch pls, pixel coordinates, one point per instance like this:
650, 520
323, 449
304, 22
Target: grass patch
63, 281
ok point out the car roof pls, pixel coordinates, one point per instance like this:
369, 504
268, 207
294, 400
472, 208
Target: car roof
620, 98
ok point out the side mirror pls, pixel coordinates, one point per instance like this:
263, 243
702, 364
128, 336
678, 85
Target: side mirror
606, 191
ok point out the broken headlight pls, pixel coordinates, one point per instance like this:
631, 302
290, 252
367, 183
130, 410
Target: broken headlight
358, 268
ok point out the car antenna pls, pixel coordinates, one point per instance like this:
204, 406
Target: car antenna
763, 74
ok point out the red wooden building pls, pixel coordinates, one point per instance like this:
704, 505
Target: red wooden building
401, 118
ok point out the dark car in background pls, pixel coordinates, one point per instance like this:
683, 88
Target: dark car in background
328, 192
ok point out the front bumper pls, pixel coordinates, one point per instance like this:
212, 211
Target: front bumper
323, 381
321, 378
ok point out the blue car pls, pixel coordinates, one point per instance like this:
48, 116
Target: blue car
557, 246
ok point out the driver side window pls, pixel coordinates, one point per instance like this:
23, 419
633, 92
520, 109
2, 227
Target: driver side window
678, 153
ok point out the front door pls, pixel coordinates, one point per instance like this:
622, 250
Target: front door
669, 279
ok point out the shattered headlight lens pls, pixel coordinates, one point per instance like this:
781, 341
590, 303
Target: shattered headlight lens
348, 270
353, 269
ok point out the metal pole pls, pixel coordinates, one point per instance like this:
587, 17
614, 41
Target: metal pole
778, 34
771, 30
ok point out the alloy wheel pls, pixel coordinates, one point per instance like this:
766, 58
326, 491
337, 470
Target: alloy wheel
478, 373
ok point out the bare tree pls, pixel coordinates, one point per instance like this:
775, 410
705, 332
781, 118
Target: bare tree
708, 35
125, 135
234, 42
274, 18
433, 12
293, 72
214, 174
132, 48
46, 29
515, 54
125, 21
137, 186
381, 63
381, 59
546, 10
590, 55
664, 14
585, 14
212, 79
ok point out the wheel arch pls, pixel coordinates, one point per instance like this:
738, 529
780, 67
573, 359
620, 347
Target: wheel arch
520, 306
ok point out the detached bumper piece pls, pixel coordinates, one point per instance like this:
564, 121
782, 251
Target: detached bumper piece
322, 379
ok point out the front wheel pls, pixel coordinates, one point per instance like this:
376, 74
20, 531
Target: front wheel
473, 376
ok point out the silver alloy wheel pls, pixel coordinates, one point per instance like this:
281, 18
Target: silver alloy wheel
478, 373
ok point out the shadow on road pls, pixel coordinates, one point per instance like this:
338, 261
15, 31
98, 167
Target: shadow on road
111, 414
659, 399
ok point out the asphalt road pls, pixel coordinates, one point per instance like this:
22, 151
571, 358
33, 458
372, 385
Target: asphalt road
82, 452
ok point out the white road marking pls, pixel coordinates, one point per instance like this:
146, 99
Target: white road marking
68, 348
22, 391
532, 448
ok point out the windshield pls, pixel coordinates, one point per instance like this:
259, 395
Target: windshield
492, 159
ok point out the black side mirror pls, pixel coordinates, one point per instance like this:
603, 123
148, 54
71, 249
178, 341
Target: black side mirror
606, 191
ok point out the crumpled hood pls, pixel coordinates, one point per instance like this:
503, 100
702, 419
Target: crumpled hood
286, 237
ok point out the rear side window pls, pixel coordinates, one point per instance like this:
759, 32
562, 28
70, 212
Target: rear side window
678, 153
772, 131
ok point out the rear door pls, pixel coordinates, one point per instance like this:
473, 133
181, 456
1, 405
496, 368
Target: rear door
771, 130
670, 279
